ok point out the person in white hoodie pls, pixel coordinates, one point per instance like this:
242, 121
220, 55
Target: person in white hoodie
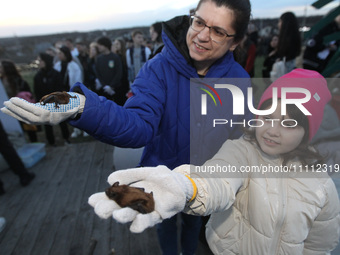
267, 192
69, 69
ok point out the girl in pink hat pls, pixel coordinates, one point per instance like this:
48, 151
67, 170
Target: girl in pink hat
267, 192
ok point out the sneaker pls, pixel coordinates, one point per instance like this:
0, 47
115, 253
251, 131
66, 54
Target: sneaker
85, 134
2, 223
26, 178
76, 132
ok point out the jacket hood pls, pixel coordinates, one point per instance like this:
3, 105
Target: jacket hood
176, 50
175, 31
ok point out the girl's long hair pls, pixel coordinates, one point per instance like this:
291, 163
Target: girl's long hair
158, 29
289, 45
10, 69
122, 50
12, 75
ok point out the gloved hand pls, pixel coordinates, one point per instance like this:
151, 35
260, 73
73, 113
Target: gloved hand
98, 84
44, 114
171, 191
109, 90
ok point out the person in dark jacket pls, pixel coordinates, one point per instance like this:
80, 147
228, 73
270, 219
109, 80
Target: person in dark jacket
109, 69
84, 60
120, 96
46, 81
13, 160
93, 54
157, 116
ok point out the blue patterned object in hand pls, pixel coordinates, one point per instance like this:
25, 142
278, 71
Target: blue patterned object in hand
48, 113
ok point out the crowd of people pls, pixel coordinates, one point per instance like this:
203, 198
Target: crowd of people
218, 40
106, 66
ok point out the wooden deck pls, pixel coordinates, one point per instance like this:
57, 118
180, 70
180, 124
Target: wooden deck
52, 216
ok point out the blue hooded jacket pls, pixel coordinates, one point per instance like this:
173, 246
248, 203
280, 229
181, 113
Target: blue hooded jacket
158, 115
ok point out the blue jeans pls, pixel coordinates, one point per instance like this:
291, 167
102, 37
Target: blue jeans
167, 234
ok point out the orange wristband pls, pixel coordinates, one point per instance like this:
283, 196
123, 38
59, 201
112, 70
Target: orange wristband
194, 187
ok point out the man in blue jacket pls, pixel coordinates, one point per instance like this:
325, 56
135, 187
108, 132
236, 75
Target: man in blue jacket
158, 115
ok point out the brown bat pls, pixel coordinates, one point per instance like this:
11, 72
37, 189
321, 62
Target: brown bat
56, 98
135, 198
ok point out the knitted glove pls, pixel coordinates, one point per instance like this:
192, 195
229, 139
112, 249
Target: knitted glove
44, 114
171, 191
109, 90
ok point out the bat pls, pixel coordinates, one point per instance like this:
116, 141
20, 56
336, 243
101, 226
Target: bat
135, 198
56, 98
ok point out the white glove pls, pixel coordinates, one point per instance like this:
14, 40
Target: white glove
98, 84
109, 90
171, 191
44, 114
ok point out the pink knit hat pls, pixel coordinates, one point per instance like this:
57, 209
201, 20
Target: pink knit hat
307, 79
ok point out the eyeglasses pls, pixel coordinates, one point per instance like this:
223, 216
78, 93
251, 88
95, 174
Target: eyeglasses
217, 34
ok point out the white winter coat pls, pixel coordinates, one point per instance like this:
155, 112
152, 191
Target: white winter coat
263, 214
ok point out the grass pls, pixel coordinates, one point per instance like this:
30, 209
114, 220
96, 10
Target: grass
258, 66
258, 82
28, 76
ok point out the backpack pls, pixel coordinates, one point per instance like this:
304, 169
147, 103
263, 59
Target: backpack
27, 96
142, 53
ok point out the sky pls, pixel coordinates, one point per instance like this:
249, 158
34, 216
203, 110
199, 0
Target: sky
39, 17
